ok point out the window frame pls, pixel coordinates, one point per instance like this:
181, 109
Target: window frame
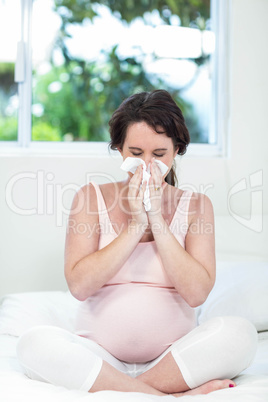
220, 17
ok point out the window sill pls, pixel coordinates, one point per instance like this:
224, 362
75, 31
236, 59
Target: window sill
94, 149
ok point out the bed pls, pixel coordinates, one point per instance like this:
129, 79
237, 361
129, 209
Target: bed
241, 289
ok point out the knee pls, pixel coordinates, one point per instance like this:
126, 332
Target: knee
242, 335
34, 341
240, 327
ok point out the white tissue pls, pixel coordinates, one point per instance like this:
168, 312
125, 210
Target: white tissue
131, 164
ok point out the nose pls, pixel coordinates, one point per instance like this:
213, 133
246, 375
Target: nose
147, 160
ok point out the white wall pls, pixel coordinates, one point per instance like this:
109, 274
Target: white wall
32, 246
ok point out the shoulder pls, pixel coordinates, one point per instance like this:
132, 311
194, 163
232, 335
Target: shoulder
109, 189
173, 194
85, 199
200, 207
112, 191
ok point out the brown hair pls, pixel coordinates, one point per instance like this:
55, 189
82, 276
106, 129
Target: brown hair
159, 111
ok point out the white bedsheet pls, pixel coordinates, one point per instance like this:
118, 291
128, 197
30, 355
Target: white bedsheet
240, 290
15, 386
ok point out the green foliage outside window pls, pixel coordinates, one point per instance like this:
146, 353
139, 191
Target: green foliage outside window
89, 91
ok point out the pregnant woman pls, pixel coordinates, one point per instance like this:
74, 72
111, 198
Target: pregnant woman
145, 259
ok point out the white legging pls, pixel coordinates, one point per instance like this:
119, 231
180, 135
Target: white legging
219, 348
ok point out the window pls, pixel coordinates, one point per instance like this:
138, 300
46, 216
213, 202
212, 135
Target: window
9, 100
95, 55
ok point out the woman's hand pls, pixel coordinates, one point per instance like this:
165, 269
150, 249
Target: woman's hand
156, 187
135, 198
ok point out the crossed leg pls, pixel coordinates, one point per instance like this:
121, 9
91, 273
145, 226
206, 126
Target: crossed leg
221, 348
164, 378
206, 358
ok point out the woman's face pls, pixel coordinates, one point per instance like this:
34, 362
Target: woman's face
143, 142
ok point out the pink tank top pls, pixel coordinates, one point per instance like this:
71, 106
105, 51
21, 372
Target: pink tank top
138, 314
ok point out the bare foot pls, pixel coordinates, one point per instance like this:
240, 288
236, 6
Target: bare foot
208, 387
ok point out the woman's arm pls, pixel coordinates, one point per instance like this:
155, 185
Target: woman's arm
86, 268
191, 270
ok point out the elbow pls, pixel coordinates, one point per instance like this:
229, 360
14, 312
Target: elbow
193, 298
78, 294
76, 284
198, 297
196, 301
77, 290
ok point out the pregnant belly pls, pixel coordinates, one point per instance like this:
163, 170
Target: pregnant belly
135, 322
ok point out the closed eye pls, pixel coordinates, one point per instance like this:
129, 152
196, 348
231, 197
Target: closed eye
156, 155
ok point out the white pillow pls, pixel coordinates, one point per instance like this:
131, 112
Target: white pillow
21, 311
241, 289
